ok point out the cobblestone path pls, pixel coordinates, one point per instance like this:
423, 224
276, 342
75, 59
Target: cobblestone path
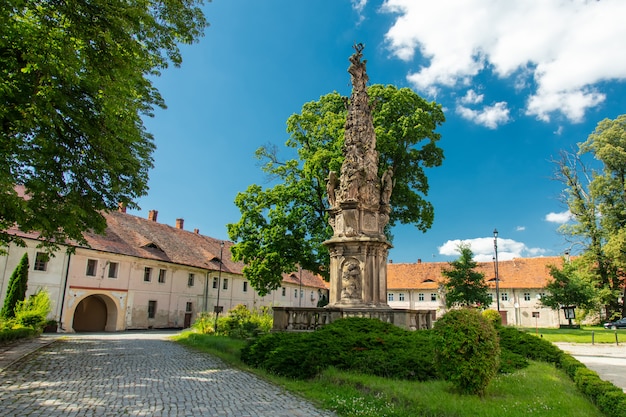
135, 375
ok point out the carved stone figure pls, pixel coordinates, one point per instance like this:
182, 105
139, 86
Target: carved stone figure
387, 186
351, 281
331, 185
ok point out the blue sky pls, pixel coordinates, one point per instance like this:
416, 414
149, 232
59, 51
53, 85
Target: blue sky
518, 80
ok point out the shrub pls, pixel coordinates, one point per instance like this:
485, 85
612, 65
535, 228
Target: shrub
34, 311
205, 323
466, 350
494, 317
239, 323
528, 346
16, 291
358, 344
510, 362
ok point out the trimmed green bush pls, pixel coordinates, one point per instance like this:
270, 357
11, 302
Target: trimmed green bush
467, 351
528, 346
362, 345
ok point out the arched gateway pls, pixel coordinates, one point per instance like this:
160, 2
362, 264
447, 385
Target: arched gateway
95, 313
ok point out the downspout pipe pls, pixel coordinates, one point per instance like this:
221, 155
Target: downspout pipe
67, 274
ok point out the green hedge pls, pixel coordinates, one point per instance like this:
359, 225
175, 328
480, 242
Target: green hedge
373, 347
10, 335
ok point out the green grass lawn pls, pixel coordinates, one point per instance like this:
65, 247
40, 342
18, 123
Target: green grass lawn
583, 335
540, 390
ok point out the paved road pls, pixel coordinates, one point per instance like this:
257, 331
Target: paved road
608, 360
137, 374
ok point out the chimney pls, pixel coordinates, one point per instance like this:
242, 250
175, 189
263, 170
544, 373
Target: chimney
152, 215
196, 231
419, 261
121, 207
179, 223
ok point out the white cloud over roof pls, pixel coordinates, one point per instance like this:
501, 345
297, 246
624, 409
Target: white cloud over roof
483, 249
560, 49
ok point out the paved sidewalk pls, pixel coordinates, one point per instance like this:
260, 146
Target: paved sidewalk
134, 374
608, 360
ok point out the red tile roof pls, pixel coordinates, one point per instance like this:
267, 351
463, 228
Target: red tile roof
516, 273
143, 238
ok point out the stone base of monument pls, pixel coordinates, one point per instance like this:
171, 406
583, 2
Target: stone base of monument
308, 319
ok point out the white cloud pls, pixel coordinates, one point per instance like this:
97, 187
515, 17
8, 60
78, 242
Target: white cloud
471, 97
520, 228
488, 116
562, 217
358, 6
562, 48
483, 249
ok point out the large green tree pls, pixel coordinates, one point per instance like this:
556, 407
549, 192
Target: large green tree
465, 287
16, 290
571, 285
595, 193
75, 82
284, 225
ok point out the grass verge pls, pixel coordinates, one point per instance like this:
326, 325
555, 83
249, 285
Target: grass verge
583, 335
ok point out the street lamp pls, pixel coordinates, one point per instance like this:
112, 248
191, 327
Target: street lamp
219, 283
495, 247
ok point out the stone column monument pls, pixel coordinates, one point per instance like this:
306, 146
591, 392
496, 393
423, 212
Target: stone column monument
359, 207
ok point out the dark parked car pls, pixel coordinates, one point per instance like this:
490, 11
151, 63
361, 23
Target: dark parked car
618, 324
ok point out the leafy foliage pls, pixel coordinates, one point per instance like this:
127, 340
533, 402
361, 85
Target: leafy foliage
464, 286
363, 345
285, 225
596, 199
239, 323
467, 351
75, 81
571, 285
16, 290
33, 312
494, 317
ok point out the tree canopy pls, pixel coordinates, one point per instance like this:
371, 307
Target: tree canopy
284, 225
465, 287
570, 285
595, 195
75, 82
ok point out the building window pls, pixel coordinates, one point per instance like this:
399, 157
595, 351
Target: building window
401, 296
433, 296
147, 274
113, 269
215, 283
41, 261
189, 307
420, 296
225, 286
504, 296
390, 296
245, 286
301, 293
284, 291
490, 296
162, 276
526, 296
295, 293
190, 280
92, 265
151, 309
